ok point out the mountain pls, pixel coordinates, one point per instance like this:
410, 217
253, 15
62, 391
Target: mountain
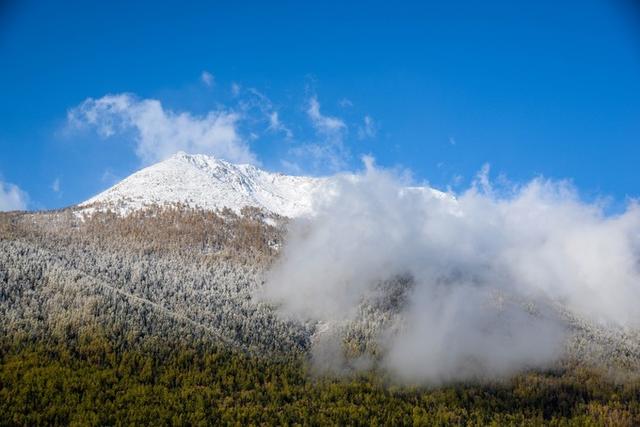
209, 183
197, 180
160, 301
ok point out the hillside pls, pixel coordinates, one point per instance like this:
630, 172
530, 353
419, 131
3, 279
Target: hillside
155, 289
160, 307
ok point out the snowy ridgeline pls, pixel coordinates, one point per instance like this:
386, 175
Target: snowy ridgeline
206, 182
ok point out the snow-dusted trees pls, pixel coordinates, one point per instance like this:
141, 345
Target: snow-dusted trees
185, 275
174, 273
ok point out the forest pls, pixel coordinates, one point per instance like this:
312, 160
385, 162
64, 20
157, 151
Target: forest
152, 319
90, 381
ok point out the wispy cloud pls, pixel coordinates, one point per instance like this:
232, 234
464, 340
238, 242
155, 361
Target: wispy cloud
160, 132
235, 89
207, 78
327, 150
368, 129
276, 125
316, 141
55, 185
256, 101
12, 198
326, 125
345, 103
322, 157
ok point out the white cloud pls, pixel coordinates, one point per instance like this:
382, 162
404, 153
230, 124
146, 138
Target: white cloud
368, 128
456, 180
276, 125
160, 132
235, 89
55, 185
257, 101
327, 125
323, 156
274, 120
486, 268
328, 151
345, 103
207, 78
12, 198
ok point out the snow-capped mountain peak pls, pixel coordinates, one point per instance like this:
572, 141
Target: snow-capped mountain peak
206, 182
202, 181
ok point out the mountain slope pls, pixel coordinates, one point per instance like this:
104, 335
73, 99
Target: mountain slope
209, 183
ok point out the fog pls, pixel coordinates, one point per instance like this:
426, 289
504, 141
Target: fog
488, 266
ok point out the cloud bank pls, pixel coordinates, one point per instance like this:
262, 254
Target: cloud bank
160, 132
487, 267
12, 198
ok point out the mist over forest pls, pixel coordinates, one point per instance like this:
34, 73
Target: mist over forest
369, 306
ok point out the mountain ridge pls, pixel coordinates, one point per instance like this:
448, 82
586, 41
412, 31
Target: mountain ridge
202, 181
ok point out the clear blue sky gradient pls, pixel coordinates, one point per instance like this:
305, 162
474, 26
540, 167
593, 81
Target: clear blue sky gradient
547, 87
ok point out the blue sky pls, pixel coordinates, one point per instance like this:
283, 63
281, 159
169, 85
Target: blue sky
547, 88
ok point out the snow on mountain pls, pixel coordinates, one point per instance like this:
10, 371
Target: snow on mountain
209, 183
